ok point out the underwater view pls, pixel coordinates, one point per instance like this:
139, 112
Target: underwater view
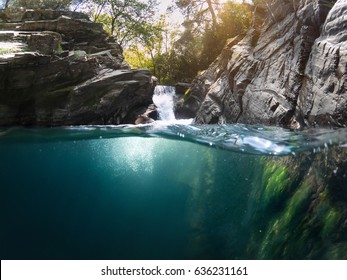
173, 191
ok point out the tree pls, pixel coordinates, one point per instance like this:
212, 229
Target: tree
123, 19
208, 25
234, 19
152, 47
4, 4
190, 51
200, 11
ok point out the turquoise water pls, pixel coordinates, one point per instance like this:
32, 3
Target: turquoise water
166, 192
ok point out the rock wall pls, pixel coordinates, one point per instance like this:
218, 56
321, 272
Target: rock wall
289, 70
59, 68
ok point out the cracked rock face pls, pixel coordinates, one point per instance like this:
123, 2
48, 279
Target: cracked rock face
323, 98
289, 70
51, 75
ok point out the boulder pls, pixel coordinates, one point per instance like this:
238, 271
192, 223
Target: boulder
68, 91
58, 68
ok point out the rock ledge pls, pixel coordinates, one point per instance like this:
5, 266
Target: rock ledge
59, 68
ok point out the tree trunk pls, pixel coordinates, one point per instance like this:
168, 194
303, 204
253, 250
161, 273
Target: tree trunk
153, 61
213, 14
6, 3
98, 11
113, 26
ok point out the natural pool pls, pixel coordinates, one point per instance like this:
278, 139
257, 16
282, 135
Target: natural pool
171, 191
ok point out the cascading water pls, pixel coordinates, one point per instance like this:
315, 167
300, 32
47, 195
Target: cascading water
163, 98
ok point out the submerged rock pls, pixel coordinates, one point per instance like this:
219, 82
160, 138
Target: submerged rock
307, 199
289, 70
59, 68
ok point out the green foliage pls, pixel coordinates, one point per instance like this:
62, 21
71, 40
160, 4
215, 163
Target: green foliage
125, 20
8, 47
148, 48
59, 49
234, 19
204, 37
200, 12
3, 51
180, 59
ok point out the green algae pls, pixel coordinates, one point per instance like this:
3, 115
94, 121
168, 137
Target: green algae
277, 180
337, 252
330, 222
282, 229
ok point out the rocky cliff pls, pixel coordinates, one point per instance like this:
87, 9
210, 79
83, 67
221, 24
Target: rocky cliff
289, 70
59, 68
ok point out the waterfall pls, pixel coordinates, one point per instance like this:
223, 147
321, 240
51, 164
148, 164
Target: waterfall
163, 98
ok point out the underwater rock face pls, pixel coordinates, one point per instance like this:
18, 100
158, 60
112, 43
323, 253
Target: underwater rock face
307, 198
59, 68
289, 70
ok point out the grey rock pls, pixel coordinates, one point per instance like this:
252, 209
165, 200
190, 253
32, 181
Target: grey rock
323, 98
181, 88
41, 83
20, 14
69, 91
289, 70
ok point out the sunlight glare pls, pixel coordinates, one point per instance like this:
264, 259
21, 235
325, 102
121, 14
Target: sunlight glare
136, 153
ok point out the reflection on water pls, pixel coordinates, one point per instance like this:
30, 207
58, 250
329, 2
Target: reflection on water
116, 193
